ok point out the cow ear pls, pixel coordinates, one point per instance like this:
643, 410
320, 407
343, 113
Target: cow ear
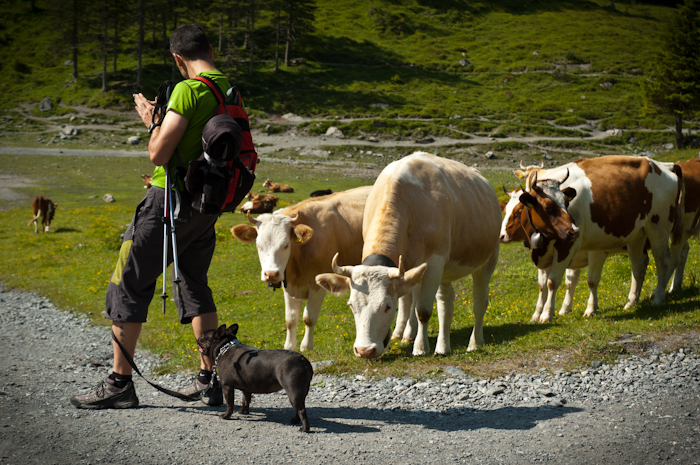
570, 193
520, 174
503, 206
333, 283
527, 200
244, 233
410, 279
302, 233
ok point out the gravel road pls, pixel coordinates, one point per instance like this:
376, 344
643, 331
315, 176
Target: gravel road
642, 410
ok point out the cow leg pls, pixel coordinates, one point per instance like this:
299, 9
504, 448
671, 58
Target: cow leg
662, 257
553, 282
638, 264
446, 308
543, 294
480, 300
571, 281
677, 283
311, 313
409, 334
292, 310
402, 316
596, 260
424, 303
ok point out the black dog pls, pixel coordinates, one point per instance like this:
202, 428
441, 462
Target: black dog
252, 370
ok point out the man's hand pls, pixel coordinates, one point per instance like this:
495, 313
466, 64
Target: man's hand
145, 108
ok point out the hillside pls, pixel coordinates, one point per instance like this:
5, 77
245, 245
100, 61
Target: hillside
499, 69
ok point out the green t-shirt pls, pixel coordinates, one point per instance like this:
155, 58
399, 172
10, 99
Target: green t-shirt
196, 102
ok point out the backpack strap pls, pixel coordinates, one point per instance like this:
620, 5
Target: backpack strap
214, 87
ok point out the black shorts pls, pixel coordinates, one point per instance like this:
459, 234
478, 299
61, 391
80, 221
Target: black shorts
140, 262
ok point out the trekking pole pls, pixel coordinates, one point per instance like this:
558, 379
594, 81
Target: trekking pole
176, 271
164, 295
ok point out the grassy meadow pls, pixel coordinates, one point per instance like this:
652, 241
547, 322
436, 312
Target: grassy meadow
73, 263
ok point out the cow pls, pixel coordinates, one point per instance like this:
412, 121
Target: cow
441, 219
297, 243
44, 208
259, 206
516, 228
613, 202
260, 197
146, 181
275, 187
691, 219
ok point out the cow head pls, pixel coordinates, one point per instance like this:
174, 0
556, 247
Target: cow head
274, 236
525, 171
511, 227
374, 293
546, 210
50, 212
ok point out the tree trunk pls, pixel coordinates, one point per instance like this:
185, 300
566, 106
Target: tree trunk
288, 45
370, 7
104, 46
679, 130
139, 70
74, 40
277, 37
252, 42
116, 38
166, 48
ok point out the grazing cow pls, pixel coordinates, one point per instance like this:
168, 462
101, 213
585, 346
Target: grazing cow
44, 208
146, 181
691, 219
260, 197
275, 187
298, 242
321, 193
439, 217
516, 227
259, 206
614, 202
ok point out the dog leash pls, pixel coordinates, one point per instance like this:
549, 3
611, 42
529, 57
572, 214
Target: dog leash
160, 388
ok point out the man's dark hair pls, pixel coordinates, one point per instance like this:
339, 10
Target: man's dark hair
190, 42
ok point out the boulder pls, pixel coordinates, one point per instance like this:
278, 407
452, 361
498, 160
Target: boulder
335, 132
109, 198
134, 140
465, 62
46, 104
71, 130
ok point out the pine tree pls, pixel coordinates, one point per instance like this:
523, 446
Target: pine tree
300, 21
673, 86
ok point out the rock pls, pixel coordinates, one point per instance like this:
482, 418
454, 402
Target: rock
335, 132
465, 62
427, 140
291, 117
494, 391
108, 198
535, 53
606, 85
321, 364
544, 392
374, 139
614, 132
62, 136
453, 371
134, 140
546, 156
71, 119
46, 104
596, 364
68, 63
71, 130
490, 155
669, 146
383, 106
267, 128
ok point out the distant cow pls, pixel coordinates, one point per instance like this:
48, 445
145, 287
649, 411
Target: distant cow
275, 187
691, 218
297, 243
146, 181
441, 219
252, 196
321, 193
259, 206
610, 202
44, 208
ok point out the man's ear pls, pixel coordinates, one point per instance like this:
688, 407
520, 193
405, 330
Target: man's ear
333, 283
178, 59
410, 279
528, 200
302, 233
244, 233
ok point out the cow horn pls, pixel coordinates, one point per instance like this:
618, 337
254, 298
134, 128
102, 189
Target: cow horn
531, 180
542, 164
294, 218
341, 270
397, 272
565, 177
522, 167
251, 219
504, 189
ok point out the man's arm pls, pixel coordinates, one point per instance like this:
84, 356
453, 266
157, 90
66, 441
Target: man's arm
164, 139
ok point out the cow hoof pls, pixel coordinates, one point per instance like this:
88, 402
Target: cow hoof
418, 353
472, 347
588, 313
395, 337
544, 319
406, 339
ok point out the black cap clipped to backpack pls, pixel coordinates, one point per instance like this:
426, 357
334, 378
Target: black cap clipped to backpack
221, 139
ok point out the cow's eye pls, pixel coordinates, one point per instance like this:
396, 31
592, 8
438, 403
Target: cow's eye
286, 246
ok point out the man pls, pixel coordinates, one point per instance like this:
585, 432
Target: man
133, 283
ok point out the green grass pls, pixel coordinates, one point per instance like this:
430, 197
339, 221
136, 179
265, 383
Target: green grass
72, 264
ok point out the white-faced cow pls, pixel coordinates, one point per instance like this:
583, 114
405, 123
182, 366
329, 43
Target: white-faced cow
441, 219
516, 227
298, 242
691, 219
614, 202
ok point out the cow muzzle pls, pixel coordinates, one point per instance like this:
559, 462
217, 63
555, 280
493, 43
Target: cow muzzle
271, 276
367, 352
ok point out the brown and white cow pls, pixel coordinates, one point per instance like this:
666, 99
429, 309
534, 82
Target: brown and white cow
44, 208
253, 196
147, 179
275, 187
517, 228
259, 206
441, 219
615, 202
298, 242
691, 218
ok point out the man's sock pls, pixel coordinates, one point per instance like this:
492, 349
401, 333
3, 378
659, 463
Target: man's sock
204, 376
119, 380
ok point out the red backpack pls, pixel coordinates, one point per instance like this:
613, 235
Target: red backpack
222, 176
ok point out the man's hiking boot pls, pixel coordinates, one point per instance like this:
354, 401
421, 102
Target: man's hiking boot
107, 395
210, 393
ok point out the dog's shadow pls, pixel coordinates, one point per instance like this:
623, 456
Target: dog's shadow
343, 420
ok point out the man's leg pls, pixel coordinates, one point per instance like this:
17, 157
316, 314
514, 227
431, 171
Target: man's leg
128, 335
201, 324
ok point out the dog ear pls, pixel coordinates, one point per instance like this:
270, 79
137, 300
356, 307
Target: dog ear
220, 331
233, 329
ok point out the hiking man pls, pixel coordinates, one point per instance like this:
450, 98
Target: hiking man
133, 283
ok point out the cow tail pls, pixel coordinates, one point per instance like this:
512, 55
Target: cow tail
677, 231
33, 220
